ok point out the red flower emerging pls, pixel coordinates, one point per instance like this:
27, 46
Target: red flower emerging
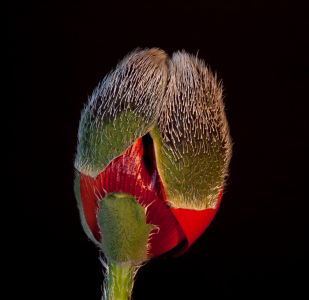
135, 173
153, 152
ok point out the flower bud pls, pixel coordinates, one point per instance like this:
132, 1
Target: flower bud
153, 153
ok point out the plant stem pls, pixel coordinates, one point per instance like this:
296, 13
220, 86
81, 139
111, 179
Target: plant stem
119, 281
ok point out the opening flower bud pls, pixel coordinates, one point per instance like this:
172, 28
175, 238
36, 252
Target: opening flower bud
152, 156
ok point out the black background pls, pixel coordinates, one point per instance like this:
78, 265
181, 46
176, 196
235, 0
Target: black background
56, 54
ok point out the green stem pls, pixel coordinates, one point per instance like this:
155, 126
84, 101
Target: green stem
119, 281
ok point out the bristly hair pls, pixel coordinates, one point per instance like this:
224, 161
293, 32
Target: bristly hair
133, 86
194, 131
124, 107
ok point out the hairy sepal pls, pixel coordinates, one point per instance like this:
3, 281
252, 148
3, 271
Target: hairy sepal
192, 141
124, 230
124, 107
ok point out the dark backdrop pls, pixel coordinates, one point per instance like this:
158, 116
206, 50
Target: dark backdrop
58, 51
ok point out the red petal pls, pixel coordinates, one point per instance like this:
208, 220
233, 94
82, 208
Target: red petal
194, 222
90, 204
129, 174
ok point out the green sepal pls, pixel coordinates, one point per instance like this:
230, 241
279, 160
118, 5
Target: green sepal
101, 142
192, 141
190, 181
123, 108
124, 230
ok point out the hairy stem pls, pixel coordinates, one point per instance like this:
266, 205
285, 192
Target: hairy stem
119, 281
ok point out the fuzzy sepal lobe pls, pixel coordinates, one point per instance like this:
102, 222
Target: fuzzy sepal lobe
124, 230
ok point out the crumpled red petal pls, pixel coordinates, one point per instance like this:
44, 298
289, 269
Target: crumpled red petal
129, 174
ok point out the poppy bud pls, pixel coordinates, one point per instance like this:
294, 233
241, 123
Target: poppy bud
153, 153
